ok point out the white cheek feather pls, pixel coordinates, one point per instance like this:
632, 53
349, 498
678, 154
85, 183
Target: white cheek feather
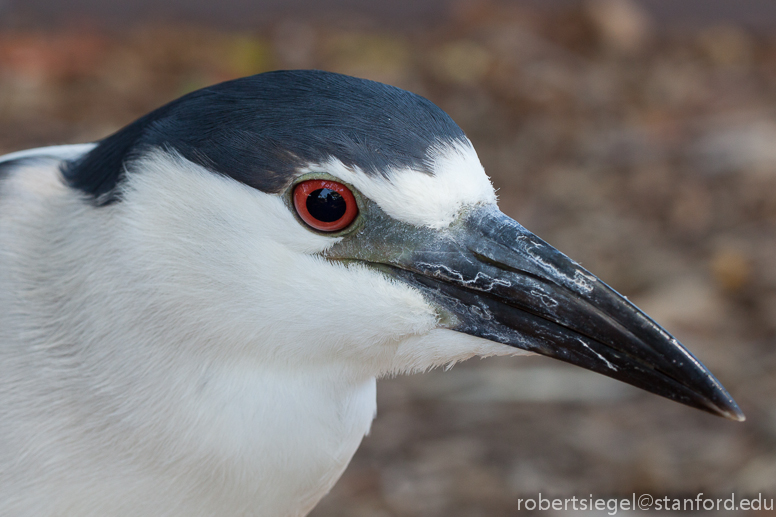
443, 347
431, 200
242, 252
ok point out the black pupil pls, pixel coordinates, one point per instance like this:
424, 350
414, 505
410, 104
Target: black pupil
326, 205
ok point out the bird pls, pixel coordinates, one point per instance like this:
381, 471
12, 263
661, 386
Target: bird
195, 309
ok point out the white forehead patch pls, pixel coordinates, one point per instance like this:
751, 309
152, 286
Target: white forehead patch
418, 198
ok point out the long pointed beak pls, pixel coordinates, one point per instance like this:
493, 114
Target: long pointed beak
492, 278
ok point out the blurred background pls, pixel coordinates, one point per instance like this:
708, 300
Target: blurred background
639, 137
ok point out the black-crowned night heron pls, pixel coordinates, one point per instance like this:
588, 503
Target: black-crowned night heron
194, 310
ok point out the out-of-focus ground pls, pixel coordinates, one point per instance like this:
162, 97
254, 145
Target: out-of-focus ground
648, 155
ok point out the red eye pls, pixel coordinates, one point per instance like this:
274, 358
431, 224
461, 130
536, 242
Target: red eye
325, 205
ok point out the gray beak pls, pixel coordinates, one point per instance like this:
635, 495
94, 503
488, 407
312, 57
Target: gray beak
490, 277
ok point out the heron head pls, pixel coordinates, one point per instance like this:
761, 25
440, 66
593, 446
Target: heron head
313, 218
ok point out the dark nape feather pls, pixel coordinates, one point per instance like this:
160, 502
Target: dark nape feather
259, 130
